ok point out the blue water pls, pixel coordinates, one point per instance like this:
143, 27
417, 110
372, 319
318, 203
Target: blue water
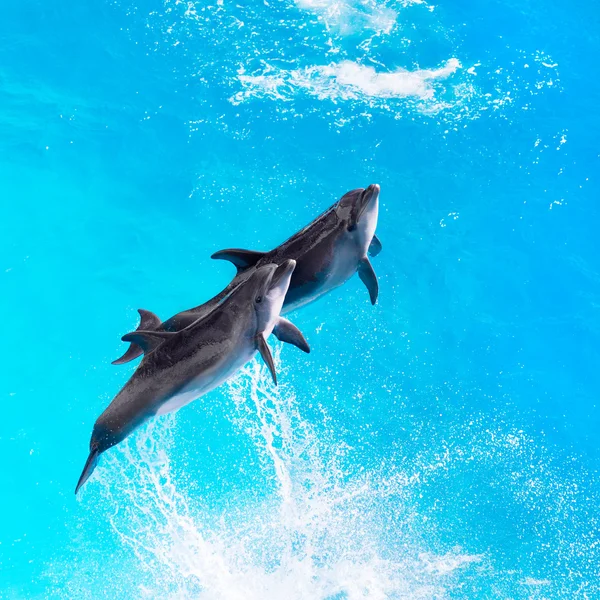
442, 444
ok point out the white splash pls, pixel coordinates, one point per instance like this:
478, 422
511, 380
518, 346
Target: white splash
322, 533
346, 80
349, 16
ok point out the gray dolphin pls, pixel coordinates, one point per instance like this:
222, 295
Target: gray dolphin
328, 251
179, 367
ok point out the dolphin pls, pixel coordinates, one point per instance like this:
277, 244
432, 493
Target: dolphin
328, 251
179, 367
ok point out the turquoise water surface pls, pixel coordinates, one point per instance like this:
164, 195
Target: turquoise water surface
440, 445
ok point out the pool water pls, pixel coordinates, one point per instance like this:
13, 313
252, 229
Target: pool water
441, 444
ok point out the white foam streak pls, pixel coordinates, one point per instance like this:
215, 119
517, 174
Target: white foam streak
397, 84
346, 80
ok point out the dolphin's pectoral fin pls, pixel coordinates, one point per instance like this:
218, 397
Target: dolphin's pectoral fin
148, 340
88, 469
265, 352
242, 259
375, 247
287, 332
368, 277
148, 320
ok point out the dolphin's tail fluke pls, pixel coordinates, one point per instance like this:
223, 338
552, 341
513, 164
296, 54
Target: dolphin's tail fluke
90, 465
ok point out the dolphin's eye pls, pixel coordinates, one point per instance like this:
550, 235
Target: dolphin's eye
258, 299
351, 227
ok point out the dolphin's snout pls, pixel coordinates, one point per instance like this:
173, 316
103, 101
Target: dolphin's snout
367, 199
283, 271
371, 192
375, 187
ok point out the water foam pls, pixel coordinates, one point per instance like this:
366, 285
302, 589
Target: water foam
349, 17
346, 52
321, 531
346, 80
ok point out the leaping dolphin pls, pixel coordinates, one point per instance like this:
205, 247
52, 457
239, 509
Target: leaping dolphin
179, 367
328, 251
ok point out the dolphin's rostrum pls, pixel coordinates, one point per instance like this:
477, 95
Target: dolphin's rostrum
179, 367
328, 251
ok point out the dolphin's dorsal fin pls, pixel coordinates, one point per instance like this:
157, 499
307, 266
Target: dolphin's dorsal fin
148, 340
287, 332
242, 259
265, 352
148, 321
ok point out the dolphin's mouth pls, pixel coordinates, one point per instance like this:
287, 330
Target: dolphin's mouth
282, 274
369, 195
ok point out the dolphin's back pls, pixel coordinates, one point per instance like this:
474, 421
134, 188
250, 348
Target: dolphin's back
198, 350
313, 234
312, 248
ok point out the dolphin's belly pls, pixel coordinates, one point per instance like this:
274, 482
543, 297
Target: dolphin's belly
181, 399
207, 381
342, 266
